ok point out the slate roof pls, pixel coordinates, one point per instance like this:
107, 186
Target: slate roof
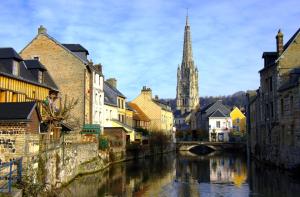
139, 114
111, 94
217, 114
9, 53
17, 111
164, 106
25, 73
272, 53
34, 64
293, 80
218, 105
177, 114
76, 48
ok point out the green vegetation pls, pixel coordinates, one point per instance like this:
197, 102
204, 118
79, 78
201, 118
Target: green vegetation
103, 143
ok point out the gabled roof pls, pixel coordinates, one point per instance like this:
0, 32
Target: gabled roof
76, 48
139, 114
58, 43
9, 53
26, 75
218, 105
111, 94
17, 111
34, 64
217, 114
287, 44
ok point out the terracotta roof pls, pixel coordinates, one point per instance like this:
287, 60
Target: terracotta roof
139, 114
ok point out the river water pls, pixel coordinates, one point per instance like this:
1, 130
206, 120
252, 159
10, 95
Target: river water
218, 174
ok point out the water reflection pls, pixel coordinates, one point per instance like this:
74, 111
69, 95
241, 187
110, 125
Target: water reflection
217, 174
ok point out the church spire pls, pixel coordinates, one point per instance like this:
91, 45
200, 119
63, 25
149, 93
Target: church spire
187, 44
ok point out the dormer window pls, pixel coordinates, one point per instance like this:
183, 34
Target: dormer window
36, 58
40, 76
16, 68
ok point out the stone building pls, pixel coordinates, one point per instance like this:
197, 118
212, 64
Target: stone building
273, 115
160, 114
187, 96
19, 130
23, 80
75, 76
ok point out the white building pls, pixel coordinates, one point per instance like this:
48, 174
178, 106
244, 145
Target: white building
98, 96
220, 125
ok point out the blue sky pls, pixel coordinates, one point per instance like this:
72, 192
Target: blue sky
139, 42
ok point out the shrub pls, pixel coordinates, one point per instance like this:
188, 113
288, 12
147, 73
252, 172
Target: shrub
103, 143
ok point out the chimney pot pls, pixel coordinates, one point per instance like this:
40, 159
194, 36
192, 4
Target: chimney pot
112, 82
42, 30
279, 42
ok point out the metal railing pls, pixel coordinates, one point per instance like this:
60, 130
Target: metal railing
10, 173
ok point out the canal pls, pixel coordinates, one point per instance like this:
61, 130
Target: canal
218, 174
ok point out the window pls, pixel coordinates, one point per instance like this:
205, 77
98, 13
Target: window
292, 137
16, 68
291, 103
237, 128
272, 109
218, 124
40, 76
36, 58
33, 94
237, 120
270, 84
2, 96
281, 107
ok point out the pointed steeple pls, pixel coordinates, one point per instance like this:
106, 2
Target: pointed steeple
187, 44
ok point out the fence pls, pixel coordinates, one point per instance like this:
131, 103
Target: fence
10, 173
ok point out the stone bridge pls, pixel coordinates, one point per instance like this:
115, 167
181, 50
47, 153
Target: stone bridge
188, 145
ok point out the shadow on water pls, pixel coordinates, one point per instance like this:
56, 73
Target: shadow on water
215, 174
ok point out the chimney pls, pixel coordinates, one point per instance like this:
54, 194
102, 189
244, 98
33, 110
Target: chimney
279, 42
42, 30
98, 67
147, 92
112, 82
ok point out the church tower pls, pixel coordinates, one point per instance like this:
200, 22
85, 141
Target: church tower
187, 96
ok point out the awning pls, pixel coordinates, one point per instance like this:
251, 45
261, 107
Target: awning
91, 129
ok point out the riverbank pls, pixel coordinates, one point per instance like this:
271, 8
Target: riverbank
102, 161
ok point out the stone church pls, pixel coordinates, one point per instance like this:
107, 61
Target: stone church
187, 95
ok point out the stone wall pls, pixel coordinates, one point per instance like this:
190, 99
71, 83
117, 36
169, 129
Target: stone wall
59, 166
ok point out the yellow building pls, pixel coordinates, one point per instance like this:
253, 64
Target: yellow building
117, 113
160, 114
238, 120
23, 80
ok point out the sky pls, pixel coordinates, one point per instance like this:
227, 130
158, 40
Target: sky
139, 42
